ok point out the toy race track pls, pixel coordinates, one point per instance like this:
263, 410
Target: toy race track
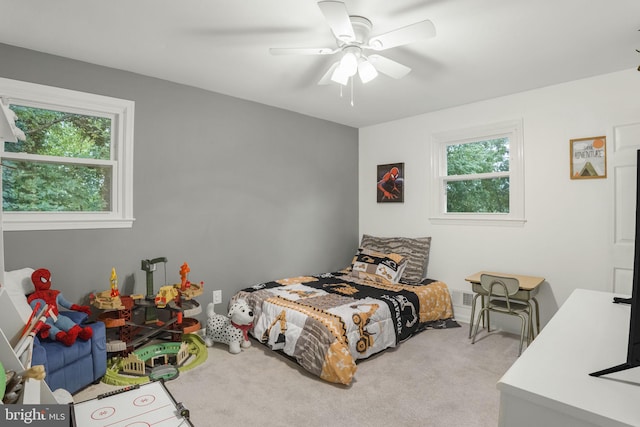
196, 346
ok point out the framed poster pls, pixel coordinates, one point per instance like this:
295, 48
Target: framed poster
390, 183
588, 157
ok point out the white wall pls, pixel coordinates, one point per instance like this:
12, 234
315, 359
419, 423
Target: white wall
568, 235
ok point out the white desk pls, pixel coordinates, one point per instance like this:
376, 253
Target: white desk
549, 385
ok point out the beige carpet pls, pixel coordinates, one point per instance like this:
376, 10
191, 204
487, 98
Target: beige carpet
437, 378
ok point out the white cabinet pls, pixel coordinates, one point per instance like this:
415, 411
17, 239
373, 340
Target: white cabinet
10, 327
549, 385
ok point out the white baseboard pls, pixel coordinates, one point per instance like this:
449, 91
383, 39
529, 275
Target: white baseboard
462, 313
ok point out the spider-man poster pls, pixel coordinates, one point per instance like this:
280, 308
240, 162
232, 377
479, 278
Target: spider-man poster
390, 183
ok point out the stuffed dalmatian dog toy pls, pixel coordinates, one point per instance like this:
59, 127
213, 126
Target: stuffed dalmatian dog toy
232, 330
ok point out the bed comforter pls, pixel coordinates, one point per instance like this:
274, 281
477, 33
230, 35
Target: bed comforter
327, 322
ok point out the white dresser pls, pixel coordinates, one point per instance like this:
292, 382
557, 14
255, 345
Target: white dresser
549, 385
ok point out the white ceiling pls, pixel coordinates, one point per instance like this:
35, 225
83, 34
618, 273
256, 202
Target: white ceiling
482, 49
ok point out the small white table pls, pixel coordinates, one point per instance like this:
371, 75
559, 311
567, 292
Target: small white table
549, 385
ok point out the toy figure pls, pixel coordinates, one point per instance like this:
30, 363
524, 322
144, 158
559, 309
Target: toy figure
114, 283
184, 273
232, 330
60, 328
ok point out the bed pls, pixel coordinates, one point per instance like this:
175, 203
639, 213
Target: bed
327, 322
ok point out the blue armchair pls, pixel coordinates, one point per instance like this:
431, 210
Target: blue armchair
75, 367
71, 368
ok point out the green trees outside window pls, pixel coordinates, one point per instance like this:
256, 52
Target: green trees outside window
478, 177
64, 165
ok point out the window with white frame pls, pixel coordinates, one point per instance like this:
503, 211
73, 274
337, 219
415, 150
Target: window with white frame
478, 175
74, 170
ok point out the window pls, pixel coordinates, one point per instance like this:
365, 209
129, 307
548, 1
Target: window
478, 175
75, 168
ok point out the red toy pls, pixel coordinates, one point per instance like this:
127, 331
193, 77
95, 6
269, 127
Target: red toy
60, 328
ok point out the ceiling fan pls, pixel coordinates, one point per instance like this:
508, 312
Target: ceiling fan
353, 39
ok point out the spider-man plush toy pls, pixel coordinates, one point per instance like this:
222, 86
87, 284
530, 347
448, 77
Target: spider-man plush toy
58, 327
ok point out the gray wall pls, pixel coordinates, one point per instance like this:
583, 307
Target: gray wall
241, 191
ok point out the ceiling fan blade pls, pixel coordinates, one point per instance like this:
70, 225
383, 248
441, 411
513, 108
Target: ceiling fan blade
405, 35
335, 12
302, 51
389, 67
326, 79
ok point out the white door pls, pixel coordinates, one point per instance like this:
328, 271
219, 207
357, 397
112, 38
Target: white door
626, 142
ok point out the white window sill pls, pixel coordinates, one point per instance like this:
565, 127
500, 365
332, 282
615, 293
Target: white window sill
63, 224
475, 220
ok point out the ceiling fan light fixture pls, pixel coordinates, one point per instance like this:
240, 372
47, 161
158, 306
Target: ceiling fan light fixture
339, 76
349, 63
366, 71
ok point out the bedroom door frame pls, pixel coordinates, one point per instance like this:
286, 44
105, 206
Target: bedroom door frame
626, 140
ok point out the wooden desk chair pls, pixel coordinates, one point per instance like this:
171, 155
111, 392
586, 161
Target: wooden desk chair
499, 292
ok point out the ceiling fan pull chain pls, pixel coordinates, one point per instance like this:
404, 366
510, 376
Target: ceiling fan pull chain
351, 81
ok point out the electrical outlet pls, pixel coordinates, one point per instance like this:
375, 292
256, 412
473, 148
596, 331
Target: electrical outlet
217, 297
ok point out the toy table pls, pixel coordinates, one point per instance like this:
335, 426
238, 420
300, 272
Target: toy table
150, 404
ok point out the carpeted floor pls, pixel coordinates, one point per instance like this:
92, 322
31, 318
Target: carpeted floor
437, 378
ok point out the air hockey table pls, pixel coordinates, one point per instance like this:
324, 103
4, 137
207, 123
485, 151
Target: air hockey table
144, 405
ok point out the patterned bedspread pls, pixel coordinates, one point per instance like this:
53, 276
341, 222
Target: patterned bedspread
327, 322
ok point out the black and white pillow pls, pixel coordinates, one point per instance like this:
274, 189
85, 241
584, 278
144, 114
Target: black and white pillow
377, 266
415, 250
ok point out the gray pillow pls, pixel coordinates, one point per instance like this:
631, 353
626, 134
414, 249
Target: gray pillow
416, 250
